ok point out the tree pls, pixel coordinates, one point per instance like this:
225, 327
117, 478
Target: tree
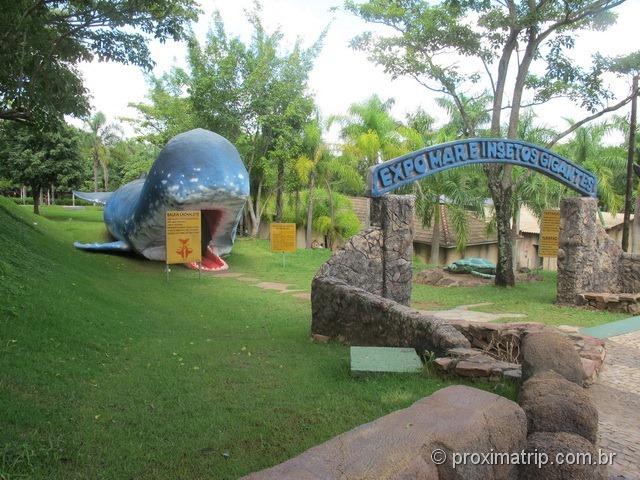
43, 41
169, 111
607, 163
101, 134
457, 47
253, 94
318, 168
132, 158
40, 158
370, 132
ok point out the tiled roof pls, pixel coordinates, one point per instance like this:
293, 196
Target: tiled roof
477, 230
529, 222
361, 209
477, 226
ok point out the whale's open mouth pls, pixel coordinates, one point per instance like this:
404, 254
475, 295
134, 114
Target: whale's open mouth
211, 261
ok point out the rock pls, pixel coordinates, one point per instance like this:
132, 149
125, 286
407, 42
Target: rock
590, 369
359, 262
317, 338
554, 404
568, 329
396, 217
399, 445
365, 319
552, 444
513, 375
463, 352
548, 350
465, 368
443, 363
592, 267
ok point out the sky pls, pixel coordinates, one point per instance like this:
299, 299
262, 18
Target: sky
341, 75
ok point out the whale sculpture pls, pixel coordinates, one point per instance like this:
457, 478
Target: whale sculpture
196, 170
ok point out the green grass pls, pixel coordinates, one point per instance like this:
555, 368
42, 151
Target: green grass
535, 299
109, 371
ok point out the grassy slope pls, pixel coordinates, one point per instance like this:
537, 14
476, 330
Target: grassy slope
109, 371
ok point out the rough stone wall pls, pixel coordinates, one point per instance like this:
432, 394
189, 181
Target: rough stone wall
358, 317
396, 215
588, 259
359, 262
357, 294
379, 259
630, 273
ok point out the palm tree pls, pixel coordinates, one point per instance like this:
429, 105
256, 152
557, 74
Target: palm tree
318, 168
607, 163
101, 135
370, 132
460, 191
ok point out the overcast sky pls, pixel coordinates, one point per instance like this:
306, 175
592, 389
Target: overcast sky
341, 76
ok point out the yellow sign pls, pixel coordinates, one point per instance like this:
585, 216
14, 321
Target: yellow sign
283, 237
183, 237
549, 233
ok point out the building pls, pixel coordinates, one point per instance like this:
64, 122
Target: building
483, 241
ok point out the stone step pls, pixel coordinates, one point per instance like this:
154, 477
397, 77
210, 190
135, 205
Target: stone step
365, 360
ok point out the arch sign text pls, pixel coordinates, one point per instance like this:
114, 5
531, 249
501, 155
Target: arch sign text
403, 170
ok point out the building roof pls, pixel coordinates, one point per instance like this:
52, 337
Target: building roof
529, 223
477, 226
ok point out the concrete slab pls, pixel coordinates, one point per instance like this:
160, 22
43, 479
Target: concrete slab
384, 359
627, 325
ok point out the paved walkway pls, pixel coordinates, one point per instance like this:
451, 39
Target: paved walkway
464, 312
275, 286
617, 397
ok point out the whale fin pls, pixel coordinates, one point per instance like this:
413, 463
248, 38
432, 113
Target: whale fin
95, 197
117, 246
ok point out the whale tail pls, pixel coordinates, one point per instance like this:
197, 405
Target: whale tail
117, 246
95, 197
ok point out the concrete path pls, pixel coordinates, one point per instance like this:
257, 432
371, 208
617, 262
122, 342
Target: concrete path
617, 397
463, 312
254, 282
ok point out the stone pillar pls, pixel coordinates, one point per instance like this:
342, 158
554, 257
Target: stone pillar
395, 214
588, 259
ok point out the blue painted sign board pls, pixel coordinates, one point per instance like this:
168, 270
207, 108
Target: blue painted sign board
408, 168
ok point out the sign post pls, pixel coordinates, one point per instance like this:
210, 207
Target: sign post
283, 238
183, 237
549, 233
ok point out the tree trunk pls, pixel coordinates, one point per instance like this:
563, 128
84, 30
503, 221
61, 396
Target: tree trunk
331, 212
105, 176
309, 232
515, 233
501, 186
435, 238
255, 212
36, 191
630, 153
504, 267
279, 192
96, 165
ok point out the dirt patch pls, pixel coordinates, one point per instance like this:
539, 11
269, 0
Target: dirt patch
280, 287
438, 277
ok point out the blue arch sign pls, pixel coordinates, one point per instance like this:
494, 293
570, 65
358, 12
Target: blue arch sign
408, 168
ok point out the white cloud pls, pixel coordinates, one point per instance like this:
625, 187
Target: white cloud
341, 75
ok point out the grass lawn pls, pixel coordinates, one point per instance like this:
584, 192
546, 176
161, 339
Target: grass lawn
109, 371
